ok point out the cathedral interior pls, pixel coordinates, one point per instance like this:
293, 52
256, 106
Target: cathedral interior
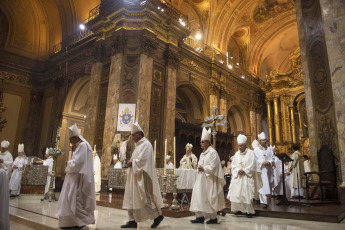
273, 66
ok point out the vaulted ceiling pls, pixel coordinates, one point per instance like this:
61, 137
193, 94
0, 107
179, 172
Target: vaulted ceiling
260, 34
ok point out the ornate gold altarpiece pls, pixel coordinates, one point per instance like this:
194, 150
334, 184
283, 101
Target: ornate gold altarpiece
285, 102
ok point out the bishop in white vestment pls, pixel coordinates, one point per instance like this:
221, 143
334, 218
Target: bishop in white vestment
18, 167
6, 159
208, 195
241, 191
256, 174
77, 201
96, 170
189, 160
48, 162
264, 156
142, 197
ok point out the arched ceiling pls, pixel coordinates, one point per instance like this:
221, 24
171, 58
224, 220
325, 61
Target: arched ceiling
260, 34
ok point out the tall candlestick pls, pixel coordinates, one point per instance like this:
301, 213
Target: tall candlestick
165, 157
174, 155
154, 153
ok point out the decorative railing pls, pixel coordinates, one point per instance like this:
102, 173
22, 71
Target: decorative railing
71, 40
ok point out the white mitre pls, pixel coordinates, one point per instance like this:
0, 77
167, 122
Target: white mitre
5, 144
47, 150
168, 157
206, 134
241, 139
73, 131
94, 149
20, 148
115, 157
262, 136
135, 128
255, 144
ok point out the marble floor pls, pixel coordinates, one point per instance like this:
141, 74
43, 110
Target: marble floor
28, 212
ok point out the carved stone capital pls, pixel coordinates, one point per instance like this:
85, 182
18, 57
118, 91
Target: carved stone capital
148, 46
118, 45
172, 59
214, 88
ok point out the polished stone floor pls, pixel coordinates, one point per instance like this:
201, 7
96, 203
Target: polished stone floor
28, 210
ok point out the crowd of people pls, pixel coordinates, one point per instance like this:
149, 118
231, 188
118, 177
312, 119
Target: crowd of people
256, 174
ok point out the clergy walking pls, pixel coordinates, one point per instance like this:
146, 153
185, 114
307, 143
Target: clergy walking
189, 160
241, 191
96, 170
18, 167
4, 204
208, 195
142, 197
6, 159
256, 174
296, 173
77, 201
264, 156
48, 162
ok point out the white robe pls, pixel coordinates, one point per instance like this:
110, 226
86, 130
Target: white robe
208, 194
188, 162
296, 174
48, 162
241, 191
97, 173
142, 193
16, 177
118, 165
122, 151
170, 165
8, 161
263, 155
4, 204
277, 170
77, 201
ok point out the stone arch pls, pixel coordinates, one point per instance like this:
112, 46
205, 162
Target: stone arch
238, 120
191, 103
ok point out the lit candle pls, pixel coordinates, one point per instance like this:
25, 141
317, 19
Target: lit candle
165, 157
174, 155
154, 153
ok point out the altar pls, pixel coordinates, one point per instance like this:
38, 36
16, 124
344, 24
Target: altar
34, 178
185, 181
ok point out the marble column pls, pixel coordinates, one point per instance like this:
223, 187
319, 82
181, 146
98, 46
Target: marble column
92, 103
269, 122
170, 105
276, 120
253, 125
223, 110
333, 15
214, 95
144, 93
111, 112
292, 118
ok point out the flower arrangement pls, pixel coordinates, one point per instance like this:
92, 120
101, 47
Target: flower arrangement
55, 151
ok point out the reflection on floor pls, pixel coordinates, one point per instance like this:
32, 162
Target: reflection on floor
28, 210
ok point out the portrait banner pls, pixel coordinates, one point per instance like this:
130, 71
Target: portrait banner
126, 116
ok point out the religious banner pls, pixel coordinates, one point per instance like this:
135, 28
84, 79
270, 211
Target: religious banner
126, 116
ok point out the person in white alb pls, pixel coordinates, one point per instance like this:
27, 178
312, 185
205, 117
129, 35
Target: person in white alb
257, 174
4, 204
97, 170
208, 194
296, 173
117, 163
142, 198
169, 163
18, 167
264, 156
189, 160
6, 159
48, 162
241, 191
77, 201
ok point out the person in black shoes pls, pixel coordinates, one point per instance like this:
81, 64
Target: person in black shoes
208, 195
241, 191
142, 197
